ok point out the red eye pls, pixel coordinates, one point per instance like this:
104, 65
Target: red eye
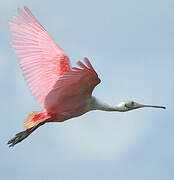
132, 103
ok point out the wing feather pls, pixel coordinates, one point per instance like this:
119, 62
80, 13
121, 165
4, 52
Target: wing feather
78, 82
43, 62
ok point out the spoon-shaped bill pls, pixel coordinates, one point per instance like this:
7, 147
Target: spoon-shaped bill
151, 106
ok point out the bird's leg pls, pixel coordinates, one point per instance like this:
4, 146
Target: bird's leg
22, 135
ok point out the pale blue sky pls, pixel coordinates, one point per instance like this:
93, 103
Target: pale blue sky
131, 45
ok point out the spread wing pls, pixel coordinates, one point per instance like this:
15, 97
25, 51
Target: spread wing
79, 82
43, 62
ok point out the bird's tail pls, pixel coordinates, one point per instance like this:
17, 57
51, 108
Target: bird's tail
32, 122
34, 118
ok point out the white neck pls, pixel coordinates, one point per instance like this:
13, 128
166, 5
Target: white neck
95, 104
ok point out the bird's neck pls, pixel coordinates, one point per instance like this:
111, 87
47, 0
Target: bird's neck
95, 104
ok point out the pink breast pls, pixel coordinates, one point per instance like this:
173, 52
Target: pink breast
70, 107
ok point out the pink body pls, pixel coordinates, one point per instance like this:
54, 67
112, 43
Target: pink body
70, 108
61, 90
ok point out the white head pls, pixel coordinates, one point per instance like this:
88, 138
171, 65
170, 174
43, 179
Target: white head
130, 105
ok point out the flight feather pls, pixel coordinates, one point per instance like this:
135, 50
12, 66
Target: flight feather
43, 62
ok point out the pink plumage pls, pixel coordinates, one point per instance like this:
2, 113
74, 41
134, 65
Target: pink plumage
41, 59
62, 91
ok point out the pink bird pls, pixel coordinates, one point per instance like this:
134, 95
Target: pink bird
64, 92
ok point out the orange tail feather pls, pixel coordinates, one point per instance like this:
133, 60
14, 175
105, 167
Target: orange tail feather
34, 118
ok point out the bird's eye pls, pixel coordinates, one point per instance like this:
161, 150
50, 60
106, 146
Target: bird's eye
129, 104
126, 106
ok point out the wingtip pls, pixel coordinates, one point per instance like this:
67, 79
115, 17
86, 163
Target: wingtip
86, 60
25, 7
18, 9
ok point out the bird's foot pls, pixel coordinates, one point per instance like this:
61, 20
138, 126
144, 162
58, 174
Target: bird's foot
18, 138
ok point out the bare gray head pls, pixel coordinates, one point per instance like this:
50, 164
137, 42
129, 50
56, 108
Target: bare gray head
130, 105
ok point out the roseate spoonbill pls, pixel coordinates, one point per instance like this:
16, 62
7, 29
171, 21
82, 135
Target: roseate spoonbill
63, 91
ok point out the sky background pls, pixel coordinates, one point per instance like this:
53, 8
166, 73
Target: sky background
131, 45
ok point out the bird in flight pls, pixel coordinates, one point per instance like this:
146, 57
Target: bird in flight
64, 92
